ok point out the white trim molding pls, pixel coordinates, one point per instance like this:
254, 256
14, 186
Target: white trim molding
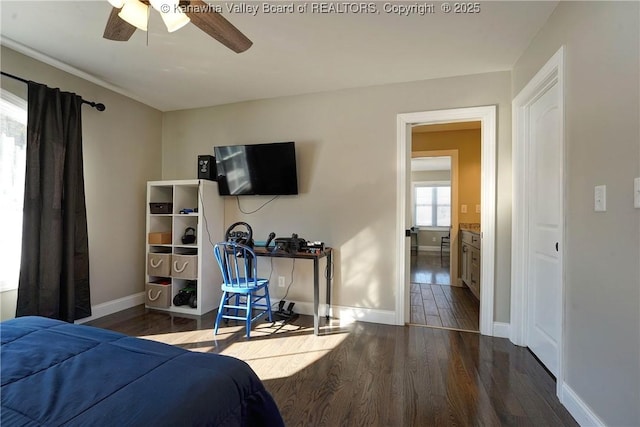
110, 307
501, 330
423, 248
38, 56
352, 314
348, 315
552, 73
487, 115
579, 410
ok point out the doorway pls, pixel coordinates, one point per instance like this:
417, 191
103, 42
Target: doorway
487, 117
438, 298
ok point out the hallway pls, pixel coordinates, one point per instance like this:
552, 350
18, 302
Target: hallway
434, 302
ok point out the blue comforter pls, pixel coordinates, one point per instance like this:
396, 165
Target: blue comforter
54, 373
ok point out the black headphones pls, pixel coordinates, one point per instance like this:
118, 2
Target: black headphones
187, 238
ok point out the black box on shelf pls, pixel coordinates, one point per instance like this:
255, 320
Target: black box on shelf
207, 167
160, 208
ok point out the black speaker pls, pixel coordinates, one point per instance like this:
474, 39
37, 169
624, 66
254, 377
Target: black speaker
207, 167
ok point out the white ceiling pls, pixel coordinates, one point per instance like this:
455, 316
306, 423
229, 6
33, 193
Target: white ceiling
292, 53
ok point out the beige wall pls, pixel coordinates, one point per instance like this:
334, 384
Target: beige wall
467, 142
430, 176
602, 284
122, 150
431, 238
346, 148
346, 144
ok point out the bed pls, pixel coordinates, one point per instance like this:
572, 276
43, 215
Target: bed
56, 373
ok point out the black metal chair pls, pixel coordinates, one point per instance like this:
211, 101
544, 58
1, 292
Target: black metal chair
414, 246
445, 242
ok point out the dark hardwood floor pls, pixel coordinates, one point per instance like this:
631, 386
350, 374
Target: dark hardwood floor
428, 267
434, 302
367, 374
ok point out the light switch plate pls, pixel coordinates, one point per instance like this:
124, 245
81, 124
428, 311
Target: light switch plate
600, 198
477, 208
463, 208
636, 192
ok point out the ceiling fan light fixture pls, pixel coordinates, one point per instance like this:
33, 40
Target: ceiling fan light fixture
158, 4
116, 3
175, 20
135, 13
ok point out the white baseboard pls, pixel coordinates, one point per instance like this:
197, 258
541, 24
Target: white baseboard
431, 249
345, 314
110, 307
303, 307
348, 314
371, 315
578, 409
501, 330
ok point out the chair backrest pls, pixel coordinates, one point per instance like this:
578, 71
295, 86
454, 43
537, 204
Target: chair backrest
237, 264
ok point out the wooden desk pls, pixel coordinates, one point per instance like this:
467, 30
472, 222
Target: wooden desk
328, 253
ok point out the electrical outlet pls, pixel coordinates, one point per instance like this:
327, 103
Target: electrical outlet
281, 281
463, 208
600, 198
478, 209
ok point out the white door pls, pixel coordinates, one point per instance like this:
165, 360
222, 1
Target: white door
545, 227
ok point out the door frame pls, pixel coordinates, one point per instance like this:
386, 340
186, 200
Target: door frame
453, 246
552, 73
487, 116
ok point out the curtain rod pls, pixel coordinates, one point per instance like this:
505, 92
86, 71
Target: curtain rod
98, 106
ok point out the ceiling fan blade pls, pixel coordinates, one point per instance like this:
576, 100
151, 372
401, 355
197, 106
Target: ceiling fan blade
117, 28
217, 26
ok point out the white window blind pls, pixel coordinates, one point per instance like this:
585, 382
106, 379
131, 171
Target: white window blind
432, 204
13, 145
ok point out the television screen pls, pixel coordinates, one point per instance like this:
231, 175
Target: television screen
258, 169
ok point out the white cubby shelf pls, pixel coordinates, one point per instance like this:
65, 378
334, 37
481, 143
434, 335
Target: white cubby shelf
208, 223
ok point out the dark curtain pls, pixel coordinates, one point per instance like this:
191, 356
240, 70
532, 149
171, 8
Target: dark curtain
54, 271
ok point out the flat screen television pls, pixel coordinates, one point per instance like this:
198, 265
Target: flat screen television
257, 169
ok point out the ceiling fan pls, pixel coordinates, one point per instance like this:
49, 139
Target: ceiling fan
128, 15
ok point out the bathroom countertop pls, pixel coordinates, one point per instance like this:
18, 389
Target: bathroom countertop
472, 227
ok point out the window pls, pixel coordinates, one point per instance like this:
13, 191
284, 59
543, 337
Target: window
13, 145
432, 204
